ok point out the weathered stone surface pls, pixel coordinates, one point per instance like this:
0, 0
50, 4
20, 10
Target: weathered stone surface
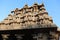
35, 16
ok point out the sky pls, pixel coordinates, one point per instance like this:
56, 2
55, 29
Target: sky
52, 7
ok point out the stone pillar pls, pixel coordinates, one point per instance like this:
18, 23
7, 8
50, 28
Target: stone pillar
19, 36
53, 36
34, 36
40, 36
5, 36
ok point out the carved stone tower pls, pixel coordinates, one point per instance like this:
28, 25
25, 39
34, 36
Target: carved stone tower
28, 23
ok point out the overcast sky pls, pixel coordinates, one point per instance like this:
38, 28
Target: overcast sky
52, 6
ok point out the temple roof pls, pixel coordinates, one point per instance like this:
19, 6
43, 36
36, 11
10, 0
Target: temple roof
27, 17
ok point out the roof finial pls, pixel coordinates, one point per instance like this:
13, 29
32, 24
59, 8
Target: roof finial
26, 5
42, 3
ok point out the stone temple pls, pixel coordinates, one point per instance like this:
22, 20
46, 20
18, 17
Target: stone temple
29, 23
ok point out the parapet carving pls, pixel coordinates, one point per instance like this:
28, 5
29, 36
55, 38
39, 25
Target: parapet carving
27, 17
